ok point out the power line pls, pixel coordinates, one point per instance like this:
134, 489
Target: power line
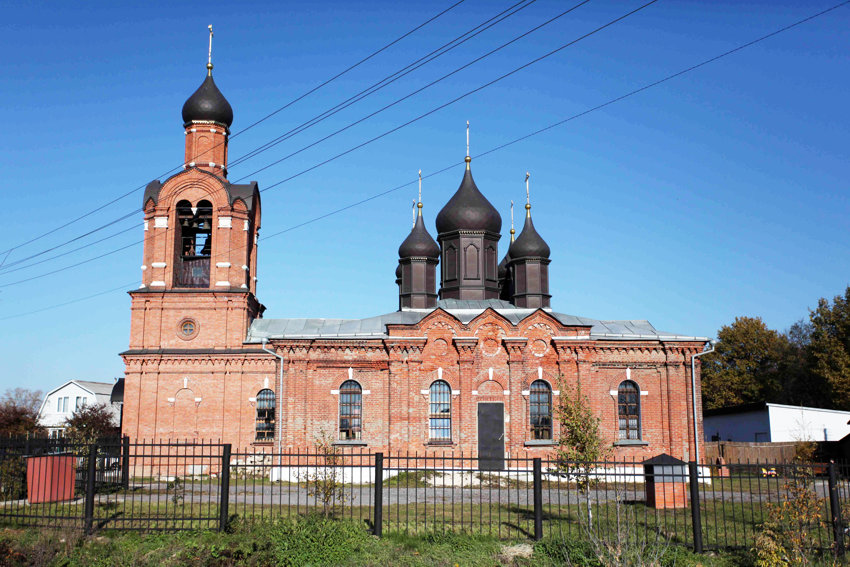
389, 79
459, 40
402, 72
49, 307
534, 133
263, 119
421, 116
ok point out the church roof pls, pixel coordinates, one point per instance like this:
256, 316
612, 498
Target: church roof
468, 209
464, 310
419, 243
207, 103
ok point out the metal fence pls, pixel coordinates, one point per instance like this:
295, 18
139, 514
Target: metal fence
115, 484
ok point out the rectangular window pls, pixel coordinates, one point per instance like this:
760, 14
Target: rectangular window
65, 404
58, 404
78, 403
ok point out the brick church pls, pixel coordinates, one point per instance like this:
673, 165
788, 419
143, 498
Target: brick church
474, 359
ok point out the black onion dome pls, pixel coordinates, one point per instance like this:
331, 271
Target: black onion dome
529, 243
468, 209
398, 272
207, 103
419, 243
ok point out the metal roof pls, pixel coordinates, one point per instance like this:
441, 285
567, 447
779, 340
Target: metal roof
464, 310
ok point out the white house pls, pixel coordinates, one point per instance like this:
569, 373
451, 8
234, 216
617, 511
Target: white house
59, 404
768, 422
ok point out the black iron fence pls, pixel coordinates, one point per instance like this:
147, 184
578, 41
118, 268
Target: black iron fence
115, 484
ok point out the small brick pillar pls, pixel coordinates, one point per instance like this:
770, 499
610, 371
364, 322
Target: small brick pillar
666, 480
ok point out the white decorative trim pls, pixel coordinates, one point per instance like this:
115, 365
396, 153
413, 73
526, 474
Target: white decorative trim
212, 130
490, 373
244, 267
225, 222
644, 393
628, 373
334, 392
507, 392
191, 164
212, 164
185, 382
222, 284
143, 286
160, 222
157, 284
252, 400
424, 392
474, 392
556, 392
244, 286
266, 382
222, 264
144, 268
245, 226
526, 393
507, 420
158, 264
366, 392
612, 392
198, 400
455, 392
171, 400
146, 224
193, 130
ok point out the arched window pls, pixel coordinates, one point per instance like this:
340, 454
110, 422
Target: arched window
350, 410
440, 413
628, 410
265, 415
194, 230
541, 410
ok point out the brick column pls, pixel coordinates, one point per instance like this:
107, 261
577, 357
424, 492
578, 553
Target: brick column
466, 375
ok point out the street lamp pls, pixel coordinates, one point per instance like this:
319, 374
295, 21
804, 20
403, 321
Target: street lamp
707, 348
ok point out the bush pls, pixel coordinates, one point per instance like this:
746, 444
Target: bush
316, 540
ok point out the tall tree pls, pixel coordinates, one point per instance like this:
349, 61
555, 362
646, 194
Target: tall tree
829, 348
91, 422
746, 366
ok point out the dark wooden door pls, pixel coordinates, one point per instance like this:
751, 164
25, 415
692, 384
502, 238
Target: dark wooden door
491, 436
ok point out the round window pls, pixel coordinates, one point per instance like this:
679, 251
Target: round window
187, 329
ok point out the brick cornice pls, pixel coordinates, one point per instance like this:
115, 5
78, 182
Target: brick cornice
465, 347
515, 346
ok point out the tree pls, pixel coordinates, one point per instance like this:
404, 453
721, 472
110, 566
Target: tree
89, 423
580, 443
19, 413
746, 366
829, 348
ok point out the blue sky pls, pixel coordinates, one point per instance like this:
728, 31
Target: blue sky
718, 194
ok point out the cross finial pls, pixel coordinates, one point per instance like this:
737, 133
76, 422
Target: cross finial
468, 159
512, 221
527, 196
420, 193
209, 53
413, 212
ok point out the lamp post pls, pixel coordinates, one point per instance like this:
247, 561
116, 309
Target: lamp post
707, 349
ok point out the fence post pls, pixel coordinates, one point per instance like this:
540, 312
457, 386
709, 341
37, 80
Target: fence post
125, 462
91, 469
696, 516
538, 499
224, 497
379, 494
835, 510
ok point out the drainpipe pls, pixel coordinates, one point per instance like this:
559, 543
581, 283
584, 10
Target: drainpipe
279, 393
710, 343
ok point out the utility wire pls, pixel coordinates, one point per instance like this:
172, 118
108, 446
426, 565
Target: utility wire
445, 48
421, 116
263, 119
49, 307
446, 76
389, 79
544, 129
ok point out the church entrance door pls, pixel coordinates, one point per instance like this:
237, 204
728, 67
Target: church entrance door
491, 436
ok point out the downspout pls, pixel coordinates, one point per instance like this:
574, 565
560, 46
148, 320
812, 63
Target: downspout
694, 395
279, 417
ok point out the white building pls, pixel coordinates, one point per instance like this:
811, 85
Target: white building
767, 422
59, 404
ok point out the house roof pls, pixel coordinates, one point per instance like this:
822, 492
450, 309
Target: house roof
759, 406
464, 310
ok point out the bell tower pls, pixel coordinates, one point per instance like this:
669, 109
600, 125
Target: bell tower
200, 247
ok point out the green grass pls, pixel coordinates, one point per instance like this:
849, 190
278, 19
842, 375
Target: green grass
311, 540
